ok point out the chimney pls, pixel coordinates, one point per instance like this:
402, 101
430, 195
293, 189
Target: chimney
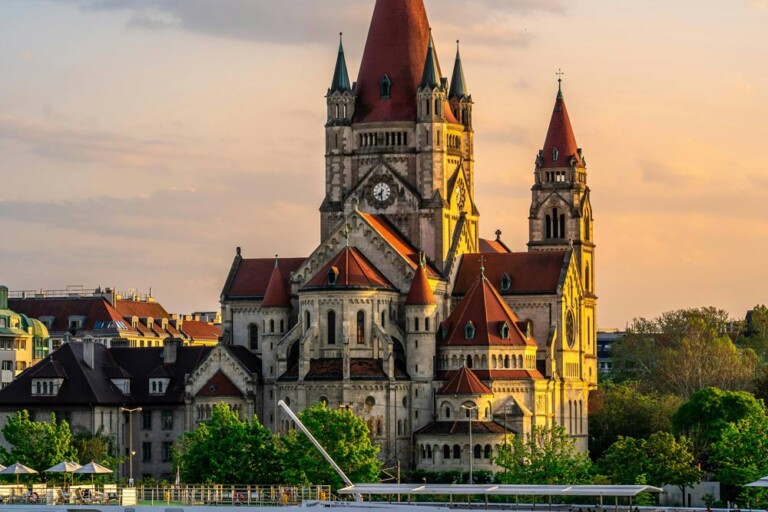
88, 352
170, 350
3, 297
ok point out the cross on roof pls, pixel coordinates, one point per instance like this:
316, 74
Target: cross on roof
482, 266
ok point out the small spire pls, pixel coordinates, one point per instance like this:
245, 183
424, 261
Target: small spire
340, 74
277, 262
431, 76
498, 235
482, 267
559, 83
347, 230
458, 83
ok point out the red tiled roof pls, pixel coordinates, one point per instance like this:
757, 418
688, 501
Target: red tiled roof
498, 374
493, 247
560, 135
420, 293
219, 385
252, 277
464, 382
483, 306
94, 309
529, 272
277, 295
460, 427
397, 47
200, 330
397, 241
354, 271
141, 309
333, 369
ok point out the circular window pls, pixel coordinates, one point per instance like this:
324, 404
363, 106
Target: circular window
370, 401
570, 329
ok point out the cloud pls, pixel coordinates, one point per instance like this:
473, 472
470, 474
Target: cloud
660, 173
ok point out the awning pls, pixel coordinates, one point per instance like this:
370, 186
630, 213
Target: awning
501, 490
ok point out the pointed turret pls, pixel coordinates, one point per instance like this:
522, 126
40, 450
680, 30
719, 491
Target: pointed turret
277, 295
458, 83
430, 77
420, 293
560, 146
340, 75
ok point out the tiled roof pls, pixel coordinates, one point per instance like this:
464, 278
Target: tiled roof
333, 370
464, 382
560, 135
459, 427
498, 374
397, 241
198, 330
95, 310
252, 276
141, 309
219, 385
493, 247
528, 272
420, 292
48, 368
353, 271
277, 295
396, 47
483, 307
245, 356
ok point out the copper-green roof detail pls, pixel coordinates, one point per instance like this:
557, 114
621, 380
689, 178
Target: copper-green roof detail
340, 75
458, 83
431, 76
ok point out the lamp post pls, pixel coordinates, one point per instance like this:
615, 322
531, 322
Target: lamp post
130, 439
470, 409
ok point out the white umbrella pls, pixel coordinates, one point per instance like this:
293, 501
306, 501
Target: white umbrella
93, 468
763, 482
64, 467
17, 469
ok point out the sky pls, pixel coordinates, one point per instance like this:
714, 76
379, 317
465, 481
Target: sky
142, 141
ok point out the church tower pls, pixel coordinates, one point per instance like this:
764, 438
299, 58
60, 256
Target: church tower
399, 141
561, 211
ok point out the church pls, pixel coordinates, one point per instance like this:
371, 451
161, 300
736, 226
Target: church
445, 343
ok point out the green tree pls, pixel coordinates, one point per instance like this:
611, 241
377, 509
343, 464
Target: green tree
346, 439
625, 410
98, 447
740, 456
37, 444
708, 412
227, 450
661, 460
545, 456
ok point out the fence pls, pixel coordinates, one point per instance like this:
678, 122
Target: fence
215, 494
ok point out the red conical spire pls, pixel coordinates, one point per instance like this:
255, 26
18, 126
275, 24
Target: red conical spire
277, 295
396, 47
560, 144
420, 293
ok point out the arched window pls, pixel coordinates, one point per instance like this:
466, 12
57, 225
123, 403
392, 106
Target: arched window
426, 324
378, 428
506, 361
478, 451
506, 283
587, 278
447, 413
385, 87
555, 231
331, 327
456, 451
586, 226
488, 451
520, 361
45, 387
469, 361
469, 331
437, 108
307, 318
282, 326
548, 225
429, 451
272, 326
360, 327
493, 362
253, 336
416, 324
446, 452
39, 387
562, 226
384, 318
504, 330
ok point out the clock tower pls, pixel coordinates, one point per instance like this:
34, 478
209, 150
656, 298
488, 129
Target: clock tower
399, 141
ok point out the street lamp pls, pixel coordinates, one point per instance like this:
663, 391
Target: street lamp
130, 438
469, 409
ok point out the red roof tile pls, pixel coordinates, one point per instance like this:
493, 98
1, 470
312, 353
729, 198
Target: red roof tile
486, 310
420, 293
529, 272
397, 47
464, 382
277, 295
354, 271
493, 247
460, 427
560, 135
200, 330
498, 374
253, 275
95, 310
219, 385
141, 309
397, 241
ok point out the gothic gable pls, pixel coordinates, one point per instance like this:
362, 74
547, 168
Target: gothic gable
383, 189
221, 361
219, 386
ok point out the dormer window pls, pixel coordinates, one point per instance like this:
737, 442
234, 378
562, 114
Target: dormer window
123, 385
469, 331
555, 154
504, 330
158, 386
385, 86
444, 332
506, 283
46, 387
333, 276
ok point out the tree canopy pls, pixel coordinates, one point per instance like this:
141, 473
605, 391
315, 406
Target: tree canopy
740, 455
37, 444
546, 456
346, 439
227, 450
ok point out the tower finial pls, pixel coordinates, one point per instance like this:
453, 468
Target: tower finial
340, 81
559, 83
482, 267
277, 264
347, 230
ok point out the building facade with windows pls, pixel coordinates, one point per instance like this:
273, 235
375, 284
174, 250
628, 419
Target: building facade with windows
403, 313
23, 341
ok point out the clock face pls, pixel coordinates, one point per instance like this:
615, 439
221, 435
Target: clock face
570, 328
460, 196
382, 192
